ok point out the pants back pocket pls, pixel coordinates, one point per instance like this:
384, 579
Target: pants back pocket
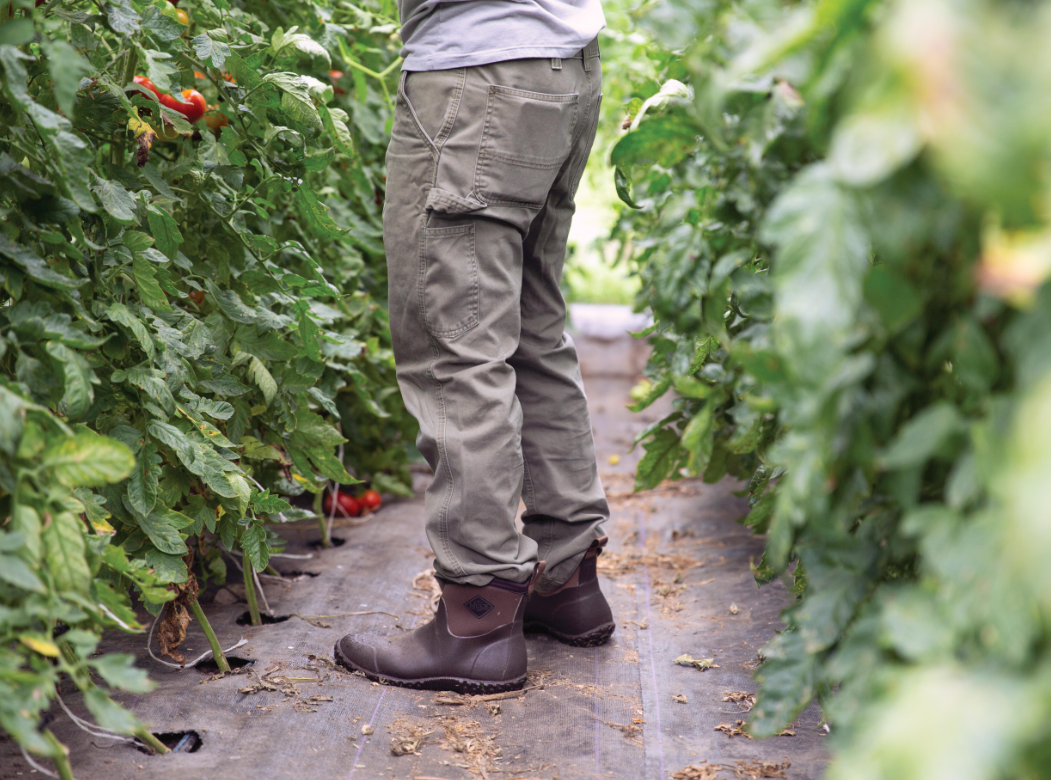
448, 291
526, 139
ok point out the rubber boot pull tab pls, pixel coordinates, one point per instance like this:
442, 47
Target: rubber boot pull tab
537, 571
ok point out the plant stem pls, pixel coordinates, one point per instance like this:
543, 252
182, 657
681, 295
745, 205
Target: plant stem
271, 570
60, 756
217, 651
158, 747
253, 606
131, 62
326, 540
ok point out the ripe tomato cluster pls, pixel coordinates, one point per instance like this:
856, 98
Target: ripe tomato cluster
349, 506
194, 107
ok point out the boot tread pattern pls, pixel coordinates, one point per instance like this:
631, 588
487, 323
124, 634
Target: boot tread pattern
598, 636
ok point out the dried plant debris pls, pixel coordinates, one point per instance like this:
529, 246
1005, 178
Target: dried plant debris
630, 730
476, 750
425, 586
407, 737
701, 771
666, 596
733, 730
679, 698
734, 609
700, 664
172, 630
752, 770
742, 699
465, 736
321, 665
617, 564
275, 680
621, 488
221, 675
741, 770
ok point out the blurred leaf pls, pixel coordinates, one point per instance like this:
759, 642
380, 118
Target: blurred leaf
922, 436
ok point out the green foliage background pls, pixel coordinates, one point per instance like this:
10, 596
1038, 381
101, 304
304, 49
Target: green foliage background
840, 213
190, 327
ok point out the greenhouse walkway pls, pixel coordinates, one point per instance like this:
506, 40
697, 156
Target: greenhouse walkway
677, 574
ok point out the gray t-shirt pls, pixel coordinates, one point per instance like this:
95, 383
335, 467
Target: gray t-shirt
439, 35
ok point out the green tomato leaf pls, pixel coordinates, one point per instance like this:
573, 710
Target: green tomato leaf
64, 553
88, 460
119, 671
15, 571
115, 199
146, 281
163, 533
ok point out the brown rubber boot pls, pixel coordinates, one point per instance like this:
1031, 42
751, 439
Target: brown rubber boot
577, 613
474, 644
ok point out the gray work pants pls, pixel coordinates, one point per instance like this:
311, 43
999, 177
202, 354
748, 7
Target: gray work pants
481, 171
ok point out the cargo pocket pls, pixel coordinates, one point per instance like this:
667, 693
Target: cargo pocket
527, 138
448, 291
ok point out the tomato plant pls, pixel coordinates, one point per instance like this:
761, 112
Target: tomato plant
189, 331
831, 205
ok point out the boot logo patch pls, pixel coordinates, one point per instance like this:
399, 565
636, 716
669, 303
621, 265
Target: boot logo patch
479, 607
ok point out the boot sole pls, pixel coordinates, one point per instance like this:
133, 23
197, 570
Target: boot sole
598, 636
456, 684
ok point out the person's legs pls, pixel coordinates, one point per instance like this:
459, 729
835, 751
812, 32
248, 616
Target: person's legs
565, 502
474, 155
482, 163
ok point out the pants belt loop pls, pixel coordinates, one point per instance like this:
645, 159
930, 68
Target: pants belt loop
587, 61
556, 63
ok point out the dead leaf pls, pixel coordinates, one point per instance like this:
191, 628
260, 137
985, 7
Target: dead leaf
679, 698
701, 771
700, 664
734, 609
752, 770
742, 698
735, 730
144, 137
172, 631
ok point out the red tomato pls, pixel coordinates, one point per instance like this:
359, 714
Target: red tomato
197, 296
346, 504
198, 75
335, 76
193, 109
371, 500
142, 81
